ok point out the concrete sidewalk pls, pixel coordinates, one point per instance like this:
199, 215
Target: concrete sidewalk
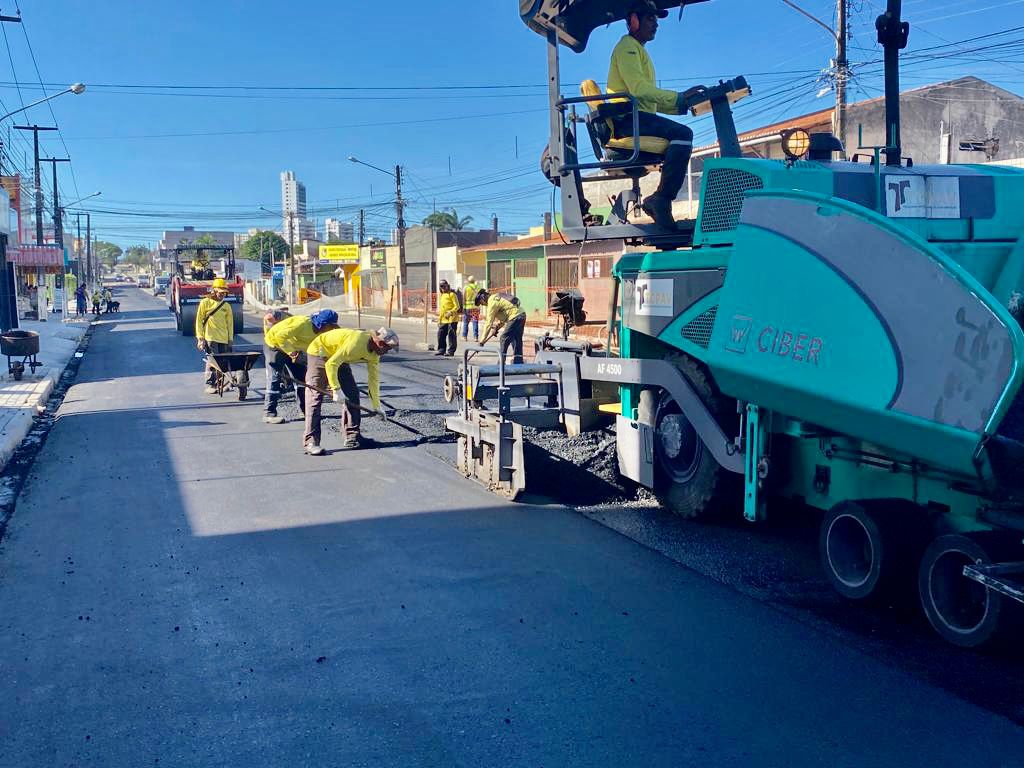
21, 401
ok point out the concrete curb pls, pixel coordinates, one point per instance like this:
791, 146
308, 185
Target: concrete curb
19, 423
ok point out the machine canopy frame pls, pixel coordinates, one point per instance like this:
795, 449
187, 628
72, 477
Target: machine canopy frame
574, 20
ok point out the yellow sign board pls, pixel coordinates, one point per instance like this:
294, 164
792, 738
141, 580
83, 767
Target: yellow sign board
339, 254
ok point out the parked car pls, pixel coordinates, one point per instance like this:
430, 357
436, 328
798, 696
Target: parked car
160, 285
144, 281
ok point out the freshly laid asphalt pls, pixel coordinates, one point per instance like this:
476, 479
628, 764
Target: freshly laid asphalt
181, 586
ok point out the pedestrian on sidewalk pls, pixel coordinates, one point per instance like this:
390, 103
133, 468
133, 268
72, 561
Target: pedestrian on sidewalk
80, 301
449, 308
330, 359
284, 350
108, 300
505, 315
96, 299
215, 328
471, 314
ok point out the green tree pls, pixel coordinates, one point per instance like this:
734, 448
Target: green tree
265, 247
107, 253
447, 219
206, 239
139, 255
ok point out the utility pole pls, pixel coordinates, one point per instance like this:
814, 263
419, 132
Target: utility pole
842, 70
58, 229
39, 185
400, 210
290, 293
841, 64
362, 227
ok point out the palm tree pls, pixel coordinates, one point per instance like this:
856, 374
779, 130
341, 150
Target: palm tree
447, 219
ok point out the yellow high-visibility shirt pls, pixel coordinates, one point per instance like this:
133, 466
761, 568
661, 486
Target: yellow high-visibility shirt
291, 335
469, 292
221, 325
499, 312
348, 345
447, 307
632, 71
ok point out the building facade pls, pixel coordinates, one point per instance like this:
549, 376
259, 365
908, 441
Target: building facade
337, 231
295, 227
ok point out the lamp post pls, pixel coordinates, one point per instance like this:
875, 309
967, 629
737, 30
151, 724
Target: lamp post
399, 210
75, 88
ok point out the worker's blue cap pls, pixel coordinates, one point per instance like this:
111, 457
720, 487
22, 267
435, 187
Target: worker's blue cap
324, 317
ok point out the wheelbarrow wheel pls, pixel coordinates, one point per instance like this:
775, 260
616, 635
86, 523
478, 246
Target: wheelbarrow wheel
242, 392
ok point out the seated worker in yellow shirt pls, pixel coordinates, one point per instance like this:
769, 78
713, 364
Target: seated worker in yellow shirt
329, 364
632, 71
284, 351
504, 316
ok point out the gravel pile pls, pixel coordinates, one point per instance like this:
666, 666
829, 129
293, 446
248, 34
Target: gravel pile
577, 471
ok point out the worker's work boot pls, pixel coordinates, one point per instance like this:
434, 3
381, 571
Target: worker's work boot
660, 209
210, 389
314, 450
352, 439
273, 418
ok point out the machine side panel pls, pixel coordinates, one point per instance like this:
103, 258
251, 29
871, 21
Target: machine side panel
955, 353
651, 301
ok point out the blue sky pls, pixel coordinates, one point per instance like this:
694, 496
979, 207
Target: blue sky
474, 145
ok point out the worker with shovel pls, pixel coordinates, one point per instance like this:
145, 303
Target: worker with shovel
504, 315
215, 328
284, 350
330, 359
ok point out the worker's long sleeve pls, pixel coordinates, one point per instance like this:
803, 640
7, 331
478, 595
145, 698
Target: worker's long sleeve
632, 72
201, 319
373, 380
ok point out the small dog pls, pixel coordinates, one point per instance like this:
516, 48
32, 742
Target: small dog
115, 306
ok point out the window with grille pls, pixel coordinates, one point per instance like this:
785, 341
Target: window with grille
526, 268
562, 273
499, 275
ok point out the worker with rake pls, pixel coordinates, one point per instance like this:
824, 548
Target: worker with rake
329, 372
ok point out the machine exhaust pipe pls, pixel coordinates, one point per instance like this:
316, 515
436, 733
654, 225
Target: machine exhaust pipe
893, 34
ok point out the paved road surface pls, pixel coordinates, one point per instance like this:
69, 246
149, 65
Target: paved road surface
180, 586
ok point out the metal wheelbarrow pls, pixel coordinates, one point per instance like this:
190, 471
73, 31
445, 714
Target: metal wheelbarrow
232, 370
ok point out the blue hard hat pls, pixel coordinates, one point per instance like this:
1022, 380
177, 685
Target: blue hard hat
324, 317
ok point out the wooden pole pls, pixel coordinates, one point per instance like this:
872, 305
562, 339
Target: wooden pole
359, 309
426, 314
391, 302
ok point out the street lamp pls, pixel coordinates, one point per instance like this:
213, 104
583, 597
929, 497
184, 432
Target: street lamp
75, 88
399, 211
290, 293
87, 197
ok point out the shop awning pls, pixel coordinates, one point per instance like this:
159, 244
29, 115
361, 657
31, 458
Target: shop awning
36, 255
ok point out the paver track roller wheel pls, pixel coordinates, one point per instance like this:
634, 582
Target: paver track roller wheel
869, 549
187, 319
688, 481
961, 610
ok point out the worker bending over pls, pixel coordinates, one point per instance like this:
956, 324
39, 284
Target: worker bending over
330, 358
505, 316
284, 350
632, 71
449, 307
215, 328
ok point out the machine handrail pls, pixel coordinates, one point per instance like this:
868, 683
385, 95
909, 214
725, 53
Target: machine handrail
606, 164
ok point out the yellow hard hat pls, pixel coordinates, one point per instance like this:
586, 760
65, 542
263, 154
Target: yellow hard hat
220, 284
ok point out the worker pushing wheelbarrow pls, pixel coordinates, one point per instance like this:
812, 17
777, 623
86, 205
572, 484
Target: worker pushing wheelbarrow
215, 332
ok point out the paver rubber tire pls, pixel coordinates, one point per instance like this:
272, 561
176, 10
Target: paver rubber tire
687, 478
869, 549
960, 609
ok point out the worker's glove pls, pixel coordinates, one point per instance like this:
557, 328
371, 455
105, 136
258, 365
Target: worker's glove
336, 395
383, 414
294, 356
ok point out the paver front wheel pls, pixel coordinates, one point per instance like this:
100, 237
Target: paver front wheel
960, 609
688, 479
